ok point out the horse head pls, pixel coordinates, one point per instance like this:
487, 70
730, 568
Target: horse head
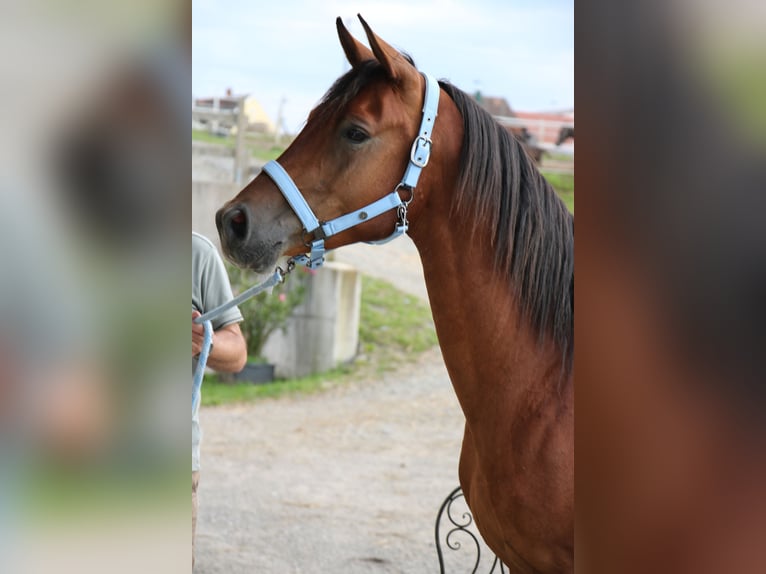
351, 152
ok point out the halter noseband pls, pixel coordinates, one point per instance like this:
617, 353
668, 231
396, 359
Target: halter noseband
321, 230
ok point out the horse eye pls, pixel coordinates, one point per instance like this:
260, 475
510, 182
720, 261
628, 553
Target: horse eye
356, 135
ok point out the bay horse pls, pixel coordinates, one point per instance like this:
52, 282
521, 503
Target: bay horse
528, 142
497, 248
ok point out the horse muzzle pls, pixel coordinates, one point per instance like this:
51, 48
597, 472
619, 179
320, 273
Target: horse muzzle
241, 241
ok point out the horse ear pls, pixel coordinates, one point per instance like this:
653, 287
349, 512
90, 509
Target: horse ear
356, 52
394, 63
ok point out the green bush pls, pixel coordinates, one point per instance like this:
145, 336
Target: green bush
266, 312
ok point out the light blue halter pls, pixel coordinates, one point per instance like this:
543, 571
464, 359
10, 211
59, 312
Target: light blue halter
321, 230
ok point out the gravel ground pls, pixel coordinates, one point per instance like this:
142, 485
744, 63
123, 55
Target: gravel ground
347, 480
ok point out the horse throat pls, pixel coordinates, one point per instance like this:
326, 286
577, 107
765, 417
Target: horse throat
489, 348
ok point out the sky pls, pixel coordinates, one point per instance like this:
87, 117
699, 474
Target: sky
286, 53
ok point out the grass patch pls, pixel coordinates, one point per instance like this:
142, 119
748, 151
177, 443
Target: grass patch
267, 153
563, 183
207, 137
394, 328
258, 146
559, 156
215, 392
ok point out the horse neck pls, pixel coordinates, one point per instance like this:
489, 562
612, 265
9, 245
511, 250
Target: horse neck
494, 358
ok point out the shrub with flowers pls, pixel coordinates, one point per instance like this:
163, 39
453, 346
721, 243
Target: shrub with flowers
266, 312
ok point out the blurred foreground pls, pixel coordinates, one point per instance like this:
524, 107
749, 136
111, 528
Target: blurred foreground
671, 279
94, 215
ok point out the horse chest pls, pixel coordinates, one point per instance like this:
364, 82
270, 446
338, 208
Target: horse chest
519, 488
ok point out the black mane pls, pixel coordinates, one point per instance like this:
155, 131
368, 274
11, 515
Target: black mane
532, 232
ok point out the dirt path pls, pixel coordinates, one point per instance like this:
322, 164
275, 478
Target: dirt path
345, 481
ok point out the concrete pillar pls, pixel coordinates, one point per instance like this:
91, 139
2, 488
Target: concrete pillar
324, 330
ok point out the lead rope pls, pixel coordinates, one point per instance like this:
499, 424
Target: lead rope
199, 373
205, 320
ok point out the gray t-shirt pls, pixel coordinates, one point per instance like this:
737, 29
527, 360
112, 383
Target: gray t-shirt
210, 288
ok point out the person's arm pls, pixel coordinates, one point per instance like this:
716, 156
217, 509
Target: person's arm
229, 353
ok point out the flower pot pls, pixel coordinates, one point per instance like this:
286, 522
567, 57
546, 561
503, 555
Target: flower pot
256, 373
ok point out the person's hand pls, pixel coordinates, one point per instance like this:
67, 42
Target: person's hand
198, 335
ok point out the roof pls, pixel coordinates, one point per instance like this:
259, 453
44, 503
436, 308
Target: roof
552, 116
494, 105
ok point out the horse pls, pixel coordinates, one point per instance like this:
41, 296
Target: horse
497, 249
528, 142
565, 133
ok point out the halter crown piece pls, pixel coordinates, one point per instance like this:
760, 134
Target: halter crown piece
321, 230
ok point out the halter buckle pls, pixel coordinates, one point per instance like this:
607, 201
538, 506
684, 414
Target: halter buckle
420, 154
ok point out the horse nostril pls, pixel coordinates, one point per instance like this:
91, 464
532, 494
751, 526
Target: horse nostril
238, 217
237, 223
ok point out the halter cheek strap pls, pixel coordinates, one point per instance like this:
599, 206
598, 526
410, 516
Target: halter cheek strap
421, 147
321, 230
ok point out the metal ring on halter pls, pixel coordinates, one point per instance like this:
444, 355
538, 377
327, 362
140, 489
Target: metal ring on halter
318, 234
285, 272
405, 188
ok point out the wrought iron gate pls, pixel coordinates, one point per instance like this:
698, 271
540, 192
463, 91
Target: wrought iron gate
458, 523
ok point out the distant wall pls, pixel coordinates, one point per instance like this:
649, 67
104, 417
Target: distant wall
207, 198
